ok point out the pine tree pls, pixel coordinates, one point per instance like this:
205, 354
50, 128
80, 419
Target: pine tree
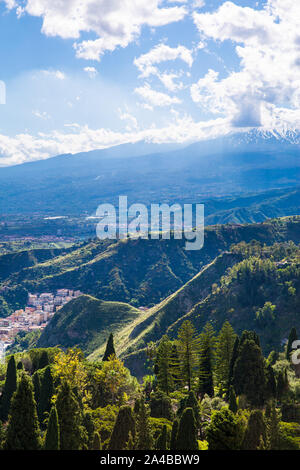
173, 442
224, 349
23, 431
161, 442
47, 390
97, 442
10, 386
249, 373
164, 365
110, 348
186, 436
144, 440
232, 400
44, 360
69, 418
207, 346
292, 337
52, 435
124, 424
188, 350
255, 433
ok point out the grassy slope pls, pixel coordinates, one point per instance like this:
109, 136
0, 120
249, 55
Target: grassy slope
86, 322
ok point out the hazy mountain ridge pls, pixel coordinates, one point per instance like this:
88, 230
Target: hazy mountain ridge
77, 184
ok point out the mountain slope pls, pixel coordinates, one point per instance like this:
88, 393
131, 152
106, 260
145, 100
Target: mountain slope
160, 317
86, 322
261, 292
77, 184
143, 271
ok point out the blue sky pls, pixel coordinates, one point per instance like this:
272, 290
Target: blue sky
87, 74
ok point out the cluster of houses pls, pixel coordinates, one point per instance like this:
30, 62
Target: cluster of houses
39, 310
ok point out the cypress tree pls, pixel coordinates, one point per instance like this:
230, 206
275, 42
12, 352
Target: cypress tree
292, 337
110, 348
10, 387
52, 435
249, 373
161, 442
161, 406
186, 436
224, 432
44, 360
68, 411
207, 345
23, 431
255, 433
273, 429
97, 442
20, 365
192, 402
173, 442
271, 388
90, 428
144, 440
232, 400
124, 424
282, 384
47, 390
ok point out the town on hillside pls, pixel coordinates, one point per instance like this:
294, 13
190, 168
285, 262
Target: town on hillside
38, 312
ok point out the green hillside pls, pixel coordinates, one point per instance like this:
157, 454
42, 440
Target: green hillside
258, 292
142, 272
86, 322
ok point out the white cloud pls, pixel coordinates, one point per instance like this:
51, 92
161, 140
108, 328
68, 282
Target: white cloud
168, 79
10, 4
129, 118
156, 98
91, 71
268, 46
41, 114
161, 53
115, 23
55, 74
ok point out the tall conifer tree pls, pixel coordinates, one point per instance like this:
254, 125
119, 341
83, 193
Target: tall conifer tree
69, 418
52, 435
23, 431
110, 348
10, 386
188, 350
186, 436
124, 425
